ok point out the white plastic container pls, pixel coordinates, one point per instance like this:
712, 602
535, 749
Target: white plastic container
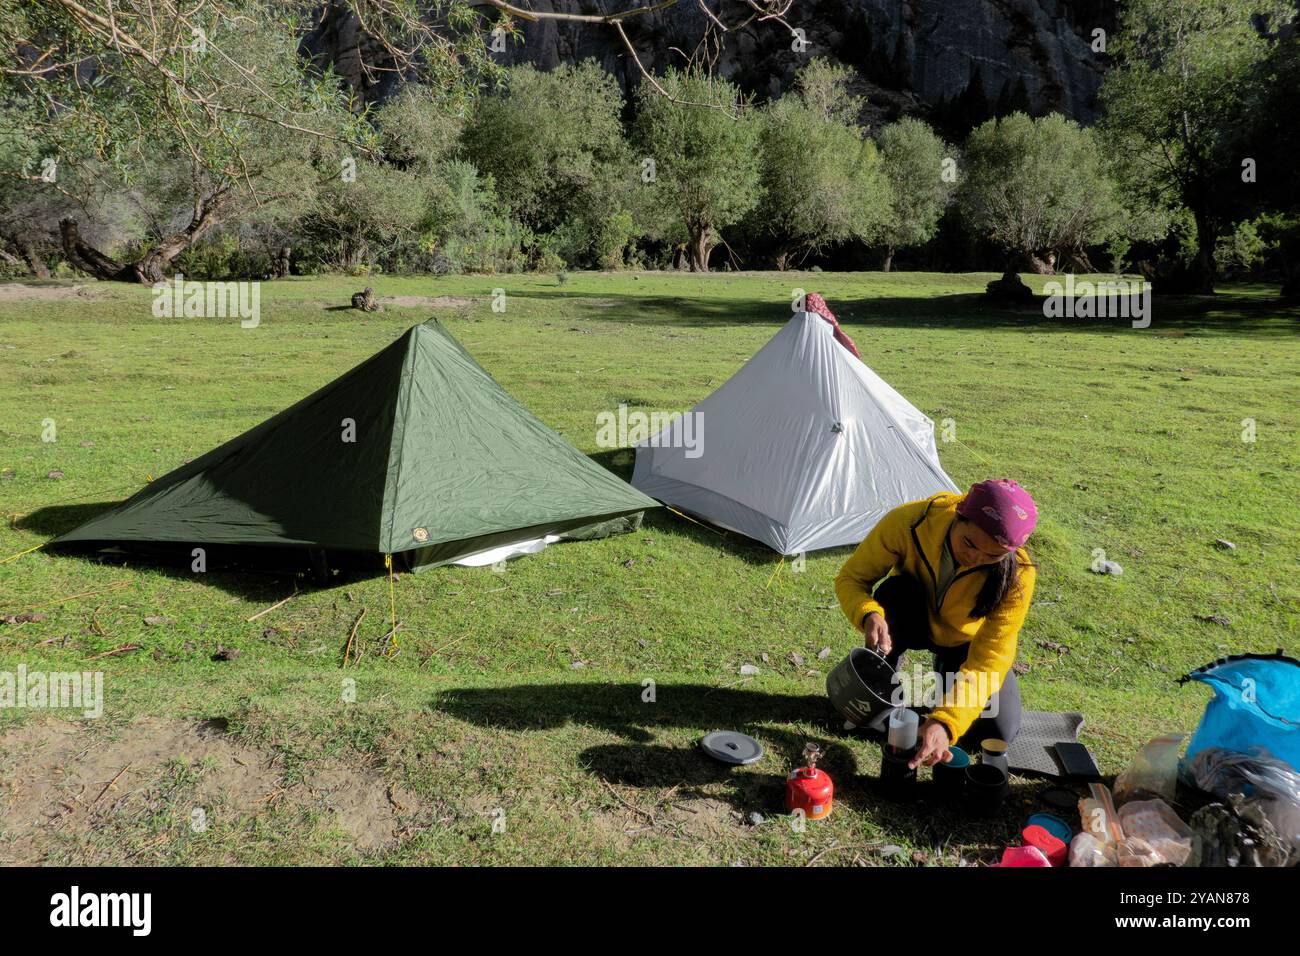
903, 725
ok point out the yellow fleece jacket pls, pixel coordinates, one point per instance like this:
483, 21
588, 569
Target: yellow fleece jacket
910, 539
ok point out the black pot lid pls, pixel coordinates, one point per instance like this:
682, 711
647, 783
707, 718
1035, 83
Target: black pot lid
732, 747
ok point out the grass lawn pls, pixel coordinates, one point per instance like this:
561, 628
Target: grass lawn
512, 726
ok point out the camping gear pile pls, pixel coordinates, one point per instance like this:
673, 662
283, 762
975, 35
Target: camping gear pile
1238, 787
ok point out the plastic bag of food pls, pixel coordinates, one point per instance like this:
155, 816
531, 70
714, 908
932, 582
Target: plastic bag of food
1156, 824
1097, 815
1153, 773
1135, 851
1087, 850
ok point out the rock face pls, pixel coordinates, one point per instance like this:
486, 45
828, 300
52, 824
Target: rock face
912, 55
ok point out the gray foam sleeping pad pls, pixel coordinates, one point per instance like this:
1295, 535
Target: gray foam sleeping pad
1031, 752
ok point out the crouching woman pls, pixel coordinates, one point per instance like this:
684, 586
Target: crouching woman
948, 574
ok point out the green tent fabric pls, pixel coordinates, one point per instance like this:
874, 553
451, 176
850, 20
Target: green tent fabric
442, 463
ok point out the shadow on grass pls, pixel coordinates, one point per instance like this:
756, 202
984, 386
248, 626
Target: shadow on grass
1226, 313
851, 760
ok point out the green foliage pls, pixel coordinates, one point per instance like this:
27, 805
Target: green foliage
1243, 248
1176, 98
1034, 186
419, 128
469, 235
553, 142
822, 181
703, 140
913, 156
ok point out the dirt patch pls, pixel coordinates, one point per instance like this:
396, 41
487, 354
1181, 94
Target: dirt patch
18, 292
421, 301
63, 779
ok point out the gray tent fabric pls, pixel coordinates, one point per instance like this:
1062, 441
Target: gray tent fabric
804, 448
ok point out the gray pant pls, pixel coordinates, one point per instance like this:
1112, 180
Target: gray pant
904, 600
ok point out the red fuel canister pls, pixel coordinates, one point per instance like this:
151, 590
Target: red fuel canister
809, 789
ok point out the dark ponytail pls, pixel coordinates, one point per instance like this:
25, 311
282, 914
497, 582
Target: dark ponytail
1003, 578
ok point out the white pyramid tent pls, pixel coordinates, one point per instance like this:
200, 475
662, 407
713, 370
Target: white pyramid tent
803, 448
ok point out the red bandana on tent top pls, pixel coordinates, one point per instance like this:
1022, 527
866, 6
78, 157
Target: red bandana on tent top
815, 303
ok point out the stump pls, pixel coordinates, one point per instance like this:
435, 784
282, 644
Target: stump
365, 301
1009, 289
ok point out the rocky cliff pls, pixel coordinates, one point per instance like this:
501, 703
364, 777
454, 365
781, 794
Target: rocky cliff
951, 59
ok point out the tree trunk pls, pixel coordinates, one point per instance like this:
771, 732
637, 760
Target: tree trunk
1202, 269
888, 264
700, 249
153, 266
27, 257
86, 257
33, 259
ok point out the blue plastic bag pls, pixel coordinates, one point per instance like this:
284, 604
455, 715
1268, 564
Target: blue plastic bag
1256, 704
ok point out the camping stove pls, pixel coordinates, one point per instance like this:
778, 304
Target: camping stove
808, 789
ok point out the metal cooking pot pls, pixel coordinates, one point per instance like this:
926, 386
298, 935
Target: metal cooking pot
861, 688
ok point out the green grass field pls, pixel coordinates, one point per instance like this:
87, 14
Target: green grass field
512, 726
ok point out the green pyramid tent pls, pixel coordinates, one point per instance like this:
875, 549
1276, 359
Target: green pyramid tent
417, 452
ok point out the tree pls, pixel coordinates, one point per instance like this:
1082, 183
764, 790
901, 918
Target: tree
1175, 96
913, 157
1037, 188
207, 112
702, 139
553, 143
822, 180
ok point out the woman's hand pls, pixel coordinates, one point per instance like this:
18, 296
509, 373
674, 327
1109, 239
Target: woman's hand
877, 633
934, 742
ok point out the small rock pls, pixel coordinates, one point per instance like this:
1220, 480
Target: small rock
577, 665
226, 654
748, 670
1225, 545
1218, 619
756, 818
891, 849
764, 658
1020, 668
795, 658
824, 653
1108, 567
55, 474
154, 620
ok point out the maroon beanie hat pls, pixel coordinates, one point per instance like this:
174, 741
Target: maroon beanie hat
1001, 508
